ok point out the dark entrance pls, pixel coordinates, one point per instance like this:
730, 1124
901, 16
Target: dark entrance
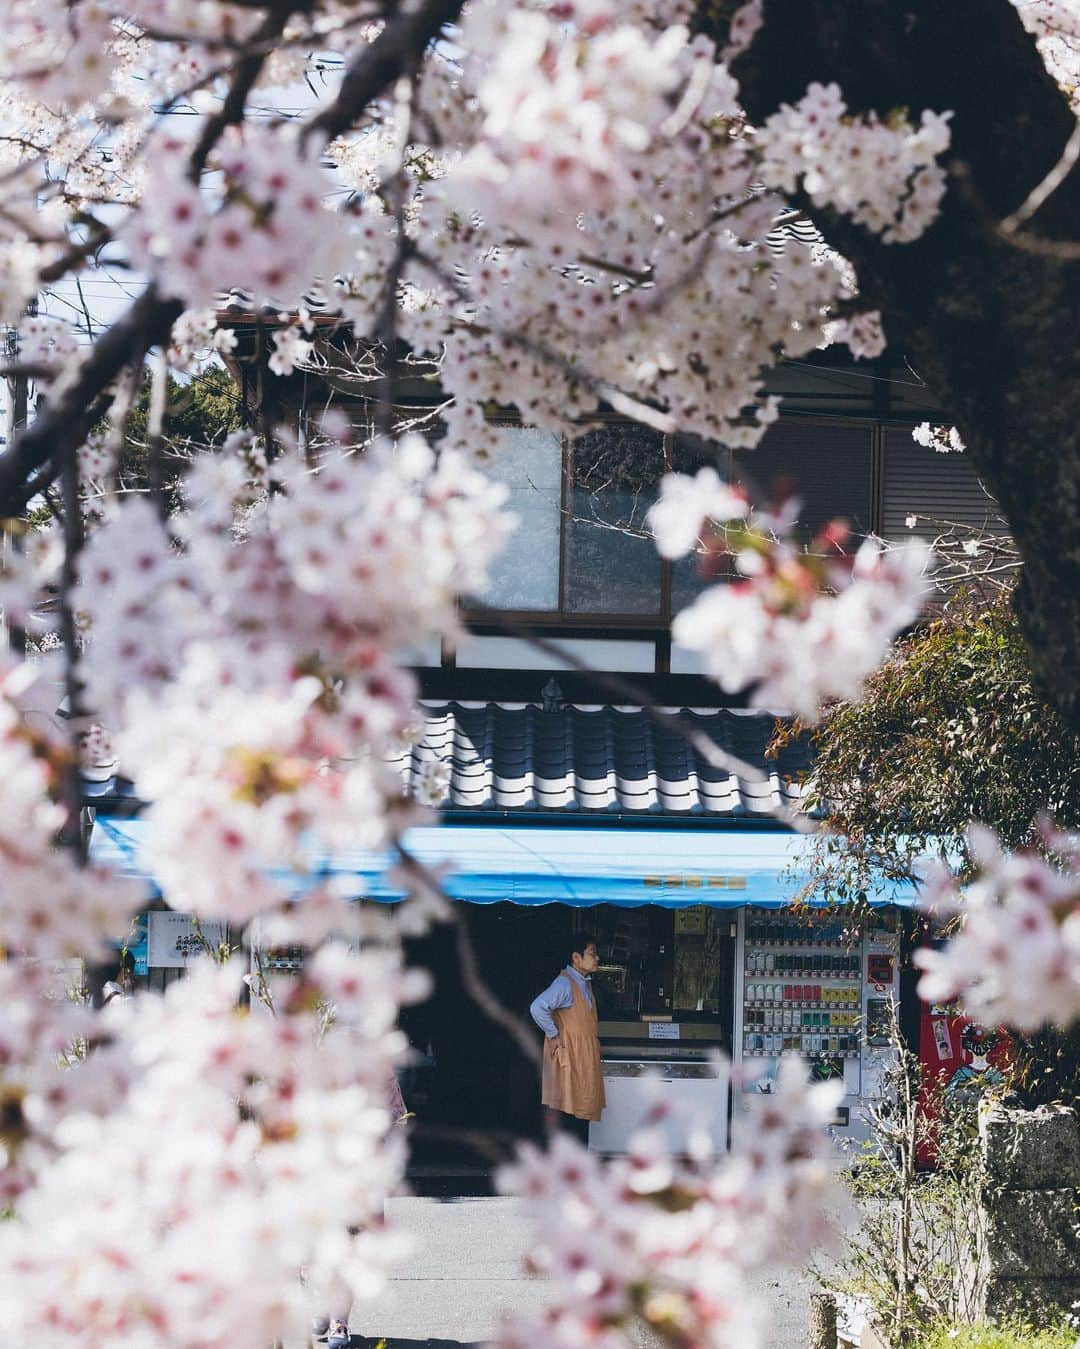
662, 965
472, 1078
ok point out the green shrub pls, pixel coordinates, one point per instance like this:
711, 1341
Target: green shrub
1012, 1335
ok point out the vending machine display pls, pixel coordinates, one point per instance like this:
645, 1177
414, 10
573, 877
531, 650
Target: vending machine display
819, 986
801, 988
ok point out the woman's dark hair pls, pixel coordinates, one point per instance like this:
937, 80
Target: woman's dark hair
978, 1039
581, 943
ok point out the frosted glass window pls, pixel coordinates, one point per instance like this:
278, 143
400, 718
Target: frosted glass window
612, 566
526, 574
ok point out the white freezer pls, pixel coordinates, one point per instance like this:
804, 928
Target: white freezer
697, 1095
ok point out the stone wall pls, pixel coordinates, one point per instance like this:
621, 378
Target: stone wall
1031, 1205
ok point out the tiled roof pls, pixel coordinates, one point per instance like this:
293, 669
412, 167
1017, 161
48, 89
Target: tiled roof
526, 757
569, 758
238, 304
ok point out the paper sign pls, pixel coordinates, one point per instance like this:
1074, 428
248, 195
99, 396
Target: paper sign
663, 1030
173, 940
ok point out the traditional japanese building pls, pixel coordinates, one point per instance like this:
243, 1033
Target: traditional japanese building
575, 802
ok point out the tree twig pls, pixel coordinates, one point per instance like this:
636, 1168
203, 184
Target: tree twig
1049, 185
65, 422
378, 65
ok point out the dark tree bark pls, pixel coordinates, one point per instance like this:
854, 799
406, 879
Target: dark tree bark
992, 327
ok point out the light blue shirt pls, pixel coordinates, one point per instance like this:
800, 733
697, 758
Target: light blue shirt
557, 998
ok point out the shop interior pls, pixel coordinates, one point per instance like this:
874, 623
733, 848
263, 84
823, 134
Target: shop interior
664, 973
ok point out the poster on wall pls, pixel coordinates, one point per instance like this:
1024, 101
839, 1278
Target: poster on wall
173, 940
960, 1060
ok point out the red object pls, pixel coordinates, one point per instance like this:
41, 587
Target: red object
879, 968
787, 992
958, 1055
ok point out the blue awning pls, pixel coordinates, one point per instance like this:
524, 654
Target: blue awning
723, 868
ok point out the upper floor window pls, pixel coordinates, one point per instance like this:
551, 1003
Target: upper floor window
583, 550
582, 546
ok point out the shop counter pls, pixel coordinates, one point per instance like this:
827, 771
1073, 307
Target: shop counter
695, 1086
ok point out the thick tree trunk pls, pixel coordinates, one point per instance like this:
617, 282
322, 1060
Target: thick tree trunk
990, 326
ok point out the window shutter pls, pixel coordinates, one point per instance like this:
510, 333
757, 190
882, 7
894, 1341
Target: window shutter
944, 487
828, 463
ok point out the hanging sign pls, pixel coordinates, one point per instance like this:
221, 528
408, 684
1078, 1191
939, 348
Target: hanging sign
174, 942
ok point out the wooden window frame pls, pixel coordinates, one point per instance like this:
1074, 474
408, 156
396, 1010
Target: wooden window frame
489, 621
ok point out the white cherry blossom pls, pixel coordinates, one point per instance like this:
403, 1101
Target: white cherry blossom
670, 1240
1016, 957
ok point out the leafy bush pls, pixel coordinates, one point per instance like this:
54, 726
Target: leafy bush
914, 1256
1013, 1335
952, 728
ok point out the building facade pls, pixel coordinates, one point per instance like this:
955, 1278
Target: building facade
574, 802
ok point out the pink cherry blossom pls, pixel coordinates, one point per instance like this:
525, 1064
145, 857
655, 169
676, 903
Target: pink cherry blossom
798, 627
1015, 959
669, 1240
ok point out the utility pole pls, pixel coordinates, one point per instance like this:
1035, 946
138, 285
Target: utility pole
18, 383
18, 411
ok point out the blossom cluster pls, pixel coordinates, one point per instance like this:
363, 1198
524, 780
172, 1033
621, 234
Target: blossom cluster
553, 271
266, 227
1016, 957
76, 70
669, 1240
1055, 24
943, 439
216, 1153
242, 658
799, 626
564, 137
585, 209
249, 682
883, 174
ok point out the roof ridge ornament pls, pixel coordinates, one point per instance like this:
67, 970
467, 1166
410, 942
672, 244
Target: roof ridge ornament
553, 698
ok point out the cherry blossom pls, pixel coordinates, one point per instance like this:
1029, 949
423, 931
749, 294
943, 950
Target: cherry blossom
669, 1240
884, 175
291, 348
944, 439
1016, 957
77, 69
196, 334
265, 228
241, 1148
248, 681
798, 626
552, 144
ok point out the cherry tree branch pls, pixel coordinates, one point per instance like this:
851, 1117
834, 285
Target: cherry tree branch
66, 420
247, 71
37, 456
1049, 185
377, 66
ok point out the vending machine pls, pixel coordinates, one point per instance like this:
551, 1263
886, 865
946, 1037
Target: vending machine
816, 985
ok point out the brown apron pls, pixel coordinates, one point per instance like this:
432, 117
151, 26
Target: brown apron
572, 1079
